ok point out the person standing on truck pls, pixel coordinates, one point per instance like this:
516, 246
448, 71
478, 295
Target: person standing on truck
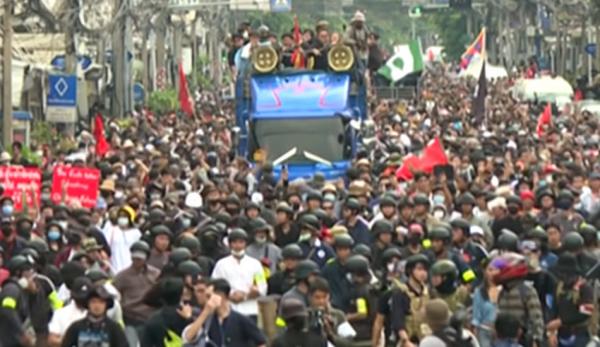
357, 37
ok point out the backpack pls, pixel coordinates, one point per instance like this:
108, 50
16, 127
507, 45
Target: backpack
454, 338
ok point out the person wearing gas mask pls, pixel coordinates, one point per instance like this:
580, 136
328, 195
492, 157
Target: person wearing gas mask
14, 303
263, 249
121, 237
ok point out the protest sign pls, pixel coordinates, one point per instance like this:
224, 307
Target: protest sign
75, 186
20, 182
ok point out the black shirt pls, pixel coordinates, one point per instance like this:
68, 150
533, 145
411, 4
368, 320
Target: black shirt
394, 305
86, 333
160, 325
236, 330
283, 239
292, 338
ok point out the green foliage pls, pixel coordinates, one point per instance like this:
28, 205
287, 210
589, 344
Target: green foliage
42, 133
452, 29
201, 70
163, 101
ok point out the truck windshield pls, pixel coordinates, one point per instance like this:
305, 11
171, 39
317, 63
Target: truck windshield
323, 137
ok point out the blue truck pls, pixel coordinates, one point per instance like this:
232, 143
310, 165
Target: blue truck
304, 120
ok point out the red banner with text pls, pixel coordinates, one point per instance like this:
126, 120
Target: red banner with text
21, 183
78, 186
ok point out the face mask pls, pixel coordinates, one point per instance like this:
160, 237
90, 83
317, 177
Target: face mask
438, 199
23, 282
155, 197
261, 240
304, 237
238, 254
391, 267
24, 232
119, 194
7, 210
123, 221
186, 223
53, 235
63, 224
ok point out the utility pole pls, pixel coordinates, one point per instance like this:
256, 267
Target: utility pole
7, 76
122, 46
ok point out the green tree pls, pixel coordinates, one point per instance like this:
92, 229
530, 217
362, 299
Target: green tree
451, 27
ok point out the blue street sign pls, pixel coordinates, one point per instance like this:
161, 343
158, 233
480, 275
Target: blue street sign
59, 62
138, 93
63, 91
591, 49
281, 5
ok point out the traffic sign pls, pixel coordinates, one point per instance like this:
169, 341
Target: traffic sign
62, 99
59, 62
591, 49
281, 5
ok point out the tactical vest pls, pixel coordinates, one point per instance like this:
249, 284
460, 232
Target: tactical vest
415, 323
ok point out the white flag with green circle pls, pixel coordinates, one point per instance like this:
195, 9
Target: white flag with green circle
407, 59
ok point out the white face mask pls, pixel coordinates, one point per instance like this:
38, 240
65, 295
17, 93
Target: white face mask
439, 214
261, 240
304, 237
123, 221
23, 282
391, 267
238, 254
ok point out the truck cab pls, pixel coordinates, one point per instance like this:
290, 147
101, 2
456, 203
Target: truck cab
305, 120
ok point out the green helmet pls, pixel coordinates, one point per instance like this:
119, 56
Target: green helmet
573, 242
189, 267
387, 200
179, 255
305, 268
352, 204
444, 267
440, 233
382, 226
358, 264
310, 221
391, 252
292, 308
508, 241
413, 260
343, 240
362, 249
292, 251
160, 230
537, 233
18, 263
237, 234
140, 246
191, 243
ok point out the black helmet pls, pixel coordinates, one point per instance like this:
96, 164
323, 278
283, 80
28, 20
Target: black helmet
101, 292
305, 268
343, 240
565, 194
31, 254
191, 243
391, 252
291, 308
405, 202
258, 224
314, 195
179, 255
508, 241
364, 250
96, 275
466, 199
421, 199
358, 264
588, 232
382, 226
310, 221
514, 200
440, 233
462, 224
413, 260
444, 267
140, 246
319, 213
284, 207
233, 199
292, 251
39, 245
253, 205
573, 242
237, 234
352, 204
189, 267
387, 200
160, 229
18, 263
157, 215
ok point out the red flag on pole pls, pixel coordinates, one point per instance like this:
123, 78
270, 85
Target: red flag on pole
545, 118
102, 147
185, 101
433, 155
297, 56
410, 164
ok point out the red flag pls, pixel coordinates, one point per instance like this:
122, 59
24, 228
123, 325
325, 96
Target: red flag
185, 101
545, 118
297, 56
102, 147
433, 155
411, 163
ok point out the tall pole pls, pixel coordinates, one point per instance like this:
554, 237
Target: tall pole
7, 78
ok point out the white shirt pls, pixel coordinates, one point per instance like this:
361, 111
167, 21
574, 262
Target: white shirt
64, 317
241, 275
120, 241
